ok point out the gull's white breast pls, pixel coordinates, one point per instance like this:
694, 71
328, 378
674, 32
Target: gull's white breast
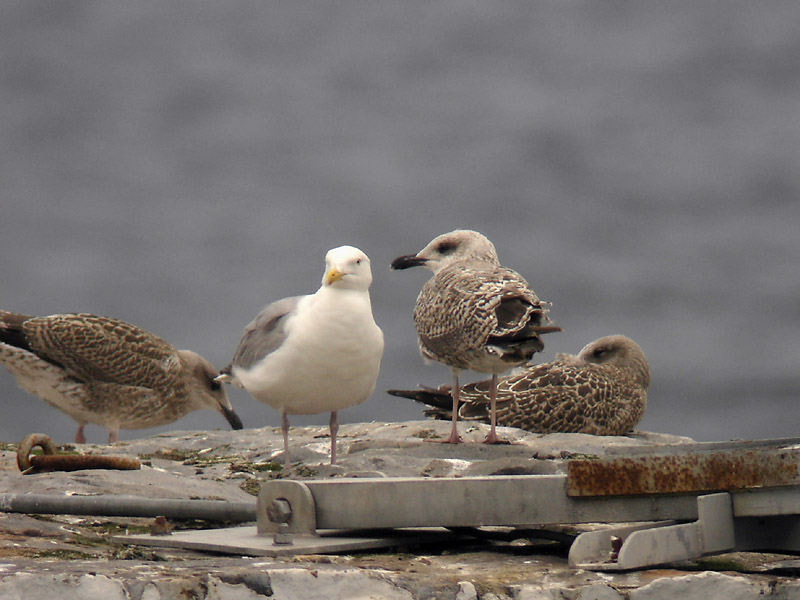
329, 360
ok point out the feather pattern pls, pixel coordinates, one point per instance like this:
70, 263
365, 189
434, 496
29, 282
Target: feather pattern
474, 313
490, 313
108, 372
601, 391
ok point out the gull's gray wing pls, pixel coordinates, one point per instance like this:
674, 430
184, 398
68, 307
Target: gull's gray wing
264, 334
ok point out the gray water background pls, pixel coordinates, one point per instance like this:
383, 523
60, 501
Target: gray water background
179, 165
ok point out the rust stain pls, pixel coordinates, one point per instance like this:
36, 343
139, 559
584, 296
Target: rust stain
78, 462
52, 461
706, 471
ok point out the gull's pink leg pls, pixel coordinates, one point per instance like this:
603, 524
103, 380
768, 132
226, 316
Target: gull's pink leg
492, 437
334, 431
455, 392
285, 430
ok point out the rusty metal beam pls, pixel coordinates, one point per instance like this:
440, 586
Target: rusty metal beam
687, 472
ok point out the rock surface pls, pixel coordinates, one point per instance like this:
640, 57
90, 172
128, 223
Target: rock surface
75, 556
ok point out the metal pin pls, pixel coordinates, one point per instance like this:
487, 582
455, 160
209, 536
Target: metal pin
283, 537
616, 546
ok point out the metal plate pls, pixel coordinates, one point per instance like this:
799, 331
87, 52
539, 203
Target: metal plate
245, 541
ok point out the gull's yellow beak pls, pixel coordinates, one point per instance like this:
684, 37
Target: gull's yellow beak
333, 275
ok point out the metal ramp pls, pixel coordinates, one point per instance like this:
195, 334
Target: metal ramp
668, 503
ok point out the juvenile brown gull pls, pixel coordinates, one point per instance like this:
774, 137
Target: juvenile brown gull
107, 372
473, 313
602, 391
318, 353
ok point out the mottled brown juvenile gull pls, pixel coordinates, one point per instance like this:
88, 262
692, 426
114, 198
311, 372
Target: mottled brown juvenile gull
107, 372
318, 353
473, 313
602, 391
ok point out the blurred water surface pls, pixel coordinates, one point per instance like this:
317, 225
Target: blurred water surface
181, 165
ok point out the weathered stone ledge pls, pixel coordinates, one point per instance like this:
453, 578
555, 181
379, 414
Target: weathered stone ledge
74, 557
470, 576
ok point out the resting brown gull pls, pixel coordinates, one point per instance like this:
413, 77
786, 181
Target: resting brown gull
107, 372
318, 353
602, 391
473, 313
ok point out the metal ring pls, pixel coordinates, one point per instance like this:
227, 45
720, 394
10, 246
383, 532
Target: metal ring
29, 443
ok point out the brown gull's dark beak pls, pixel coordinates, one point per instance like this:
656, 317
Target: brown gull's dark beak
231, 417
545, 329
407, 261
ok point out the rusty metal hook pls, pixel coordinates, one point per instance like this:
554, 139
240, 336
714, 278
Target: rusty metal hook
52, 461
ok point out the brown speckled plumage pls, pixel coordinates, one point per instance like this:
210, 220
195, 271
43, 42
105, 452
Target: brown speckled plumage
474, 313
108, 372
601, 391
458, 317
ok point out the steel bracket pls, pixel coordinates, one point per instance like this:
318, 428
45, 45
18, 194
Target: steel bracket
644, 545
302, 518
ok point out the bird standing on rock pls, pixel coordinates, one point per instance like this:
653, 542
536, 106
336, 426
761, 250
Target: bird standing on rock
318, 353
601, 391
108, 372
474, 313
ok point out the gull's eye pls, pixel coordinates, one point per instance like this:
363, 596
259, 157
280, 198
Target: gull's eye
358, 261
601, 352
446, 248
213, 384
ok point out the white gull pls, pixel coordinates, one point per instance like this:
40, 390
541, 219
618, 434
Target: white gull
317, 353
